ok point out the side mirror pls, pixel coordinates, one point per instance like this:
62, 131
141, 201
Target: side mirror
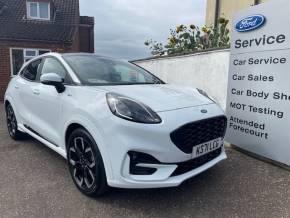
53, 79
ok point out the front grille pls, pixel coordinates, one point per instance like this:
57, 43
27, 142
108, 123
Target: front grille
196, 133
195, 163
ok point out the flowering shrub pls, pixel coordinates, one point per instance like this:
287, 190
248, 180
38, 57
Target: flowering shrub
190, 38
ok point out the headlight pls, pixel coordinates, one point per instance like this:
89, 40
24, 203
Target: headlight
130, 109
205, 95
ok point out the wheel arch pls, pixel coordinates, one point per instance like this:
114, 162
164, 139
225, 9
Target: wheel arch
72, 127
9, 101
6, 103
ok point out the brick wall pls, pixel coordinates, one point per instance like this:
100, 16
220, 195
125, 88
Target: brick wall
5, 65
4, 69
76, 42
86, 35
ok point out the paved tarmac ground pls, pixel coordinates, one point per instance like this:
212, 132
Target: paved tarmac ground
35, 182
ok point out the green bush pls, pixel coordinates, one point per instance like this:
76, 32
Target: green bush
185, 39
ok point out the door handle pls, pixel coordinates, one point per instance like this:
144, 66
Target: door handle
36, 92
16, 87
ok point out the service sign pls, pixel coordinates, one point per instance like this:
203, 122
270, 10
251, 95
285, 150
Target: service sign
258, 101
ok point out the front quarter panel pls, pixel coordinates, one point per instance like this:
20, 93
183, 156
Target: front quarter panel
89, 109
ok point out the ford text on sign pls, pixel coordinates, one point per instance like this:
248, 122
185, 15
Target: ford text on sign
250, 23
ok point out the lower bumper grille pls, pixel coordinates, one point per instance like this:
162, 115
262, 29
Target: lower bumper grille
195, 163
138, 157
196, 133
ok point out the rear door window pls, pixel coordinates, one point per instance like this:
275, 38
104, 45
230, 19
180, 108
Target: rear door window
30, 71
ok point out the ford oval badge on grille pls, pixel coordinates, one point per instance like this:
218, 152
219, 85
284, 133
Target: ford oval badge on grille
204, 111
250, 23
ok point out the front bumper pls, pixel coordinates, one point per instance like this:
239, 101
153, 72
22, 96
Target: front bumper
122, 136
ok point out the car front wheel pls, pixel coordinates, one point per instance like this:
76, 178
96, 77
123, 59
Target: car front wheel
85, 164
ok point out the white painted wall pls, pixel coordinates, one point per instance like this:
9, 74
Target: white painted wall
206, 70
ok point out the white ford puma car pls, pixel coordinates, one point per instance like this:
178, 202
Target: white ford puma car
117, 124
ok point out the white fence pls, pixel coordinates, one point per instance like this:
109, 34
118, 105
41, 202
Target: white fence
205, 70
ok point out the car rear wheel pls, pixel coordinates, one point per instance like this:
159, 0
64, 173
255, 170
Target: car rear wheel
85, 164
12, 125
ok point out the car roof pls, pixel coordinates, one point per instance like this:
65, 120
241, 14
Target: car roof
60, 55
88, 54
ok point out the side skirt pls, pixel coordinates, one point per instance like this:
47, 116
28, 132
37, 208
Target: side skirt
55, 148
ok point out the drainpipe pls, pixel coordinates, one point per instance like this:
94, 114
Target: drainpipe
217, 13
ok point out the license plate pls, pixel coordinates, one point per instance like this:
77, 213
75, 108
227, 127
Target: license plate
207, 147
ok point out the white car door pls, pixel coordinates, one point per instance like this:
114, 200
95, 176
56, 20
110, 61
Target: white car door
48, 103
25, 86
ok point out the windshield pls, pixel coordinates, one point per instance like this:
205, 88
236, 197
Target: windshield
94, 70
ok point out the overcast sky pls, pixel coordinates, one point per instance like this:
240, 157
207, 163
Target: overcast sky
122, 26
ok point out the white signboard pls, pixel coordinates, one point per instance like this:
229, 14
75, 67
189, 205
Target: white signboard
258, 102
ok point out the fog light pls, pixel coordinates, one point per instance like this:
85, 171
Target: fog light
141, 158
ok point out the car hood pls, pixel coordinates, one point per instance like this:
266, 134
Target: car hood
161, 97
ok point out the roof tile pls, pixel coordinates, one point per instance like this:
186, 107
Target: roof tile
64, 21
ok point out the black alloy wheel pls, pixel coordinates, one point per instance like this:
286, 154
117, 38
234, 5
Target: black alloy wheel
12, 125
85, 164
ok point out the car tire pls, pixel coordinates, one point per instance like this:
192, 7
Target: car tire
12, 124
86, 164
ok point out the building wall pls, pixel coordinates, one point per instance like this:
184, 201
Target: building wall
210, 12
4, 69
206, 70
76, 42
86, 33
5, 64
83, 41
227, 9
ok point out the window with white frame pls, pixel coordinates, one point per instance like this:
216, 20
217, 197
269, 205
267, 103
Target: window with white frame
19, 56
38, 10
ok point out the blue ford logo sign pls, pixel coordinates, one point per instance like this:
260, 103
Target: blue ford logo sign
250, 23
